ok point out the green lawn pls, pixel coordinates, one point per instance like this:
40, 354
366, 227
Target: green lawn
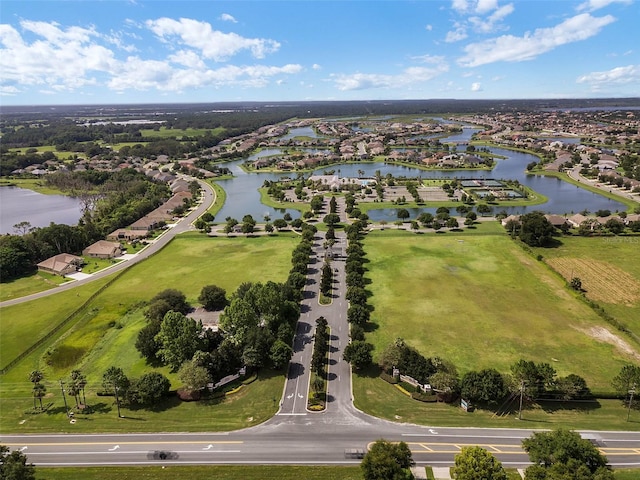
219, 472
381, 399
226, 472
37, 282
220, 198
480, 301
250, 406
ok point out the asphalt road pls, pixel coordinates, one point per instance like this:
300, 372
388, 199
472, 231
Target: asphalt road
312, 440
296, 435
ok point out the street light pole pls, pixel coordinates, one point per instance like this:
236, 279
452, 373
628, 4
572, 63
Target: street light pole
66, 407
521, 395
115, 391
631, 392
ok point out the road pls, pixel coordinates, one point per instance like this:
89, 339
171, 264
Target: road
301, 440
295, 435
574, 173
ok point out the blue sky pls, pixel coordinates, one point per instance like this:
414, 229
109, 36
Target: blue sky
83, 52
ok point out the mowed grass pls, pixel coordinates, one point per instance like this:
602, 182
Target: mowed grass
104, 332
178, 133
609, 268
19, 287
226, 472
481, 302
219, 472
381, 399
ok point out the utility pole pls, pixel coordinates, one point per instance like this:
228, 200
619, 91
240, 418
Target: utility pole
631, 392
521, 395
66, 407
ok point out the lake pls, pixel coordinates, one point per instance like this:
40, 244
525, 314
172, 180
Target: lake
22, 205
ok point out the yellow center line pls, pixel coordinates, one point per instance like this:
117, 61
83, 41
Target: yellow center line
503, 449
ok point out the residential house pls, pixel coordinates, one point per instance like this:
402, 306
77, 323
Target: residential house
127, 235
61, 264
558, 221
103, 249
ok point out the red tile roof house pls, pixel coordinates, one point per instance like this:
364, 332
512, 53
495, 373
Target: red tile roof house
61, 264
103, 249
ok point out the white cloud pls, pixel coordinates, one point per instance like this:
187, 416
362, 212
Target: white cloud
458, 33
509, 48
476, 87
61, 57
492, 23
460, 5
188, 58
138, 74
9, 90
213, 44
410, 76
485, 6
433, 59
315, 66
225, 17
428, 27
65, 59
615, 76
592, 5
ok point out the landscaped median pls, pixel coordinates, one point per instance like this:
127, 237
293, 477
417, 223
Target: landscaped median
318, 381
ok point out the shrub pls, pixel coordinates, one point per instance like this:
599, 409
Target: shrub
388, 378
424, 397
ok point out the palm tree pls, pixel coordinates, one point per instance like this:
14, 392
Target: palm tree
39, 391
77, 384
35, 377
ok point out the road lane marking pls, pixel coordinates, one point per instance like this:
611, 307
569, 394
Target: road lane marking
151, 442
132, 452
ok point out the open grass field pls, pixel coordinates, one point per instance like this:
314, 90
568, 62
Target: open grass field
104, 331
609, 268
47, 148
219, 472
178, 133
480, 301
225, 472
37, 282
